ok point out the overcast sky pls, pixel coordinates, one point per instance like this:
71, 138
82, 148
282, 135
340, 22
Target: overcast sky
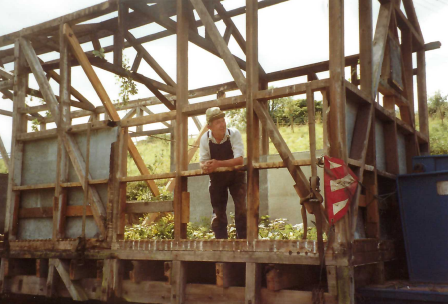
291, 34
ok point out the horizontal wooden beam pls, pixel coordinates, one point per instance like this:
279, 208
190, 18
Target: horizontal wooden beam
148, 207
151, 132
240, 101
149, 119
52, 25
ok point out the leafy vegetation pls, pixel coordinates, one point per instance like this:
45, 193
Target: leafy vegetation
278, 229
127, 85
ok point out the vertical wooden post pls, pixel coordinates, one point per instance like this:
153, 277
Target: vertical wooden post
60, 201
422, 99
406, 53
178, 282
253, 142
178, 277
253, 283
181, 130
119, 34
253, 270
338, 140
19, 125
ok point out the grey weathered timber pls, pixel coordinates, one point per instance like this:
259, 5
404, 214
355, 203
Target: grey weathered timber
19, 125
338, 136
42, 81
6, 84
365, 115
59, 207
379, 44
253, 196
181, 132
76, 291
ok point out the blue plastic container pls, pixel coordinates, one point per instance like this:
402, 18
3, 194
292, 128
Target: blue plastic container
423, 199
432, 163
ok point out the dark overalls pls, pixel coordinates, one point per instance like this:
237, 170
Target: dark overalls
235, 182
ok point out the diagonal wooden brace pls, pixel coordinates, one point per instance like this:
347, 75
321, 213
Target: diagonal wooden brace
110, 109
74, 288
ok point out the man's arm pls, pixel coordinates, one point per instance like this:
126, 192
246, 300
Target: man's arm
211, 165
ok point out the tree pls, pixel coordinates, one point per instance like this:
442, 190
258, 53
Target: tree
290, 106
438, 105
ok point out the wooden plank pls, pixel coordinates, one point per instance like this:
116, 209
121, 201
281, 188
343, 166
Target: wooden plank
412, 15
181, 135
6, 84
178, 279
422, 95
137, 60
42, 81
5, 74
62, 165
90, 73
337, 131
76, 291
379, 43
220, 44
151, 132
405, 24
240, 101
145, 109
253, 153
253, 283
149, 207
18, 126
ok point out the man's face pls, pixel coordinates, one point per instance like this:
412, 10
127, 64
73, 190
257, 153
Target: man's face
218, 127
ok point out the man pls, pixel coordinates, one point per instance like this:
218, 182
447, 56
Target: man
223, 147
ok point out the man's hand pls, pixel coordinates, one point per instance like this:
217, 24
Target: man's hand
210, 166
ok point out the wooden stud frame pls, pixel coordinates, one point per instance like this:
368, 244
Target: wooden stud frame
66, 35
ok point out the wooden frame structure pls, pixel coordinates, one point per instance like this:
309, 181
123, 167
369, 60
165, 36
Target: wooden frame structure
163, 271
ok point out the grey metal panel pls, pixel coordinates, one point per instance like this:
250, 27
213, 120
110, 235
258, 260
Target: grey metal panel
380, 151
37, 198
39, 162
100, 142
351, 109
40, 168
74, 227
401, 153
31, 229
